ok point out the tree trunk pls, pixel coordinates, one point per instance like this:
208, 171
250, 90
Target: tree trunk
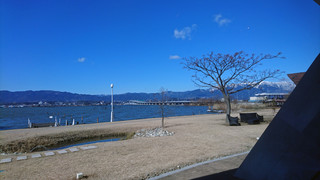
228, 106
162, 114
162, 122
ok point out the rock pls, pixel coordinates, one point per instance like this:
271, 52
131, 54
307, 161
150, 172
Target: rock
157, 132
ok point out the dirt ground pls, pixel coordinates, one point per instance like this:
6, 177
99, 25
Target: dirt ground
197, 138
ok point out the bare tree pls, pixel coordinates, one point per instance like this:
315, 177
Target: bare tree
163, 99
226, 71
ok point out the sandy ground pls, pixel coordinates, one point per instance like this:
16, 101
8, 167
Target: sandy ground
197, 138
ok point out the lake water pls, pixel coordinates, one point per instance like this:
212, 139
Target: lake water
17, 118
86, 143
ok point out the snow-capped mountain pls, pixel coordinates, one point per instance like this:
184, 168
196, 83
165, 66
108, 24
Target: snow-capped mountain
284, 85
264, 87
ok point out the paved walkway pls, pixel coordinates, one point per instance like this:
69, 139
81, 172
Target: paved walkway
222, 168
47, 153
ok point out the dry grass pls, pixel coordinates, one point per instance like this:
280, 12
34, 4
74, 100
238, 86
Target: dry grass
197, 138
37, 143
240, 106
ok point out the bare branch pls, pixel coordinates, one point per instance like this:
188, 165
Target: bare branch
226, 71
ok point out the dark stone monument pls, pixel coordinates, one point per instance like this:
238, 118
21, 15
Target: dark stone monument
290, 146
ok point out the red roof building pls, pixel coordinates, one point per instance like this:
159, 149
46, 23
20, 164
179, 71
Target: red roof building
296, 77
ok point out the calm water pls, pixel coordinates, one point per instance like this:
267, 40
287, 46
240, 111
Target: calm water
17, 118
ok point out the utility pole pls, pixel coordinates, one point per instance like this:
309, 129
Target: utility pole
111, 102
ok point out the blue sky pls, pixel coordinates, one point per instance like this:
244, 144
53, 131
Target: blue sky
84, 46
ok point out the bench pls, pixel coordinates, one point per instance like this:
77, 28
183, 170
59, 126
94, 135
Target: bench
251, 118
39, 125
233, 121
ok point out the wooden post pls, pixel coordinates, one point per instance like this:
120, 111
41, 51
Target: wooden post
97, 119
81, 119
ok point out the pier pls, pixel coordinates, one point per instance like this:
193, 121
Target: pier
168, 103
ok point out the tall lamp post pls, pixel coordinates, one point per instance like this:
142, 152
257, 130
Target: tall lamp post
111, 102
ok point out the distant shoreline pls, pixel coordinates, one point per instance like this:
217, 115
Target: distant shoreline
119, 104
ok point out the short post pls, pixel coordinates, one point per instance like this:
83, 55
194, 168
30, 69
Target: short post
97, 119
79, 175
55, 121
81, 119
29, 123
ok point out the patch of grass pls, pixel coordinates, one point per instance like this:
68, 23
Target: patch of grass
129, 136
57, 140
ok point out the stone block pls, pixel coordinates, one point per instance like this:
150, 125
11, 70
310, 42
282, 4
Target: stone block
49, 153
7, 160
73, 149
62, 151
35, 155
19, 158
88, 147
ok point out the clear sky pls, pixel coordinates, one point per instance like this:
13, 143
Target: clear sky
83, 46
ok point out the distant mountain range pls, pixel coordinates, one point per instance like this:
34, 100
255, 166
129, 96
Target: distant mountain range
7, 97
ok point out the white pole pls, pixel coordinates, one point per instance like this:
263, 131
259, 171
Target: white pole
29, 123
111, 119
55, 122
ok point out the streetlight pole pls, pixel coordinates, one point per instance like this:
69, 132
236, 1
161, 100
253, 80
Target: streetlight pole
111, 102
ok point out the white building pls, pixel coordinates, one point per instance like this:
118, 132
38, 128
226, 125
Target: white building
269, 97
